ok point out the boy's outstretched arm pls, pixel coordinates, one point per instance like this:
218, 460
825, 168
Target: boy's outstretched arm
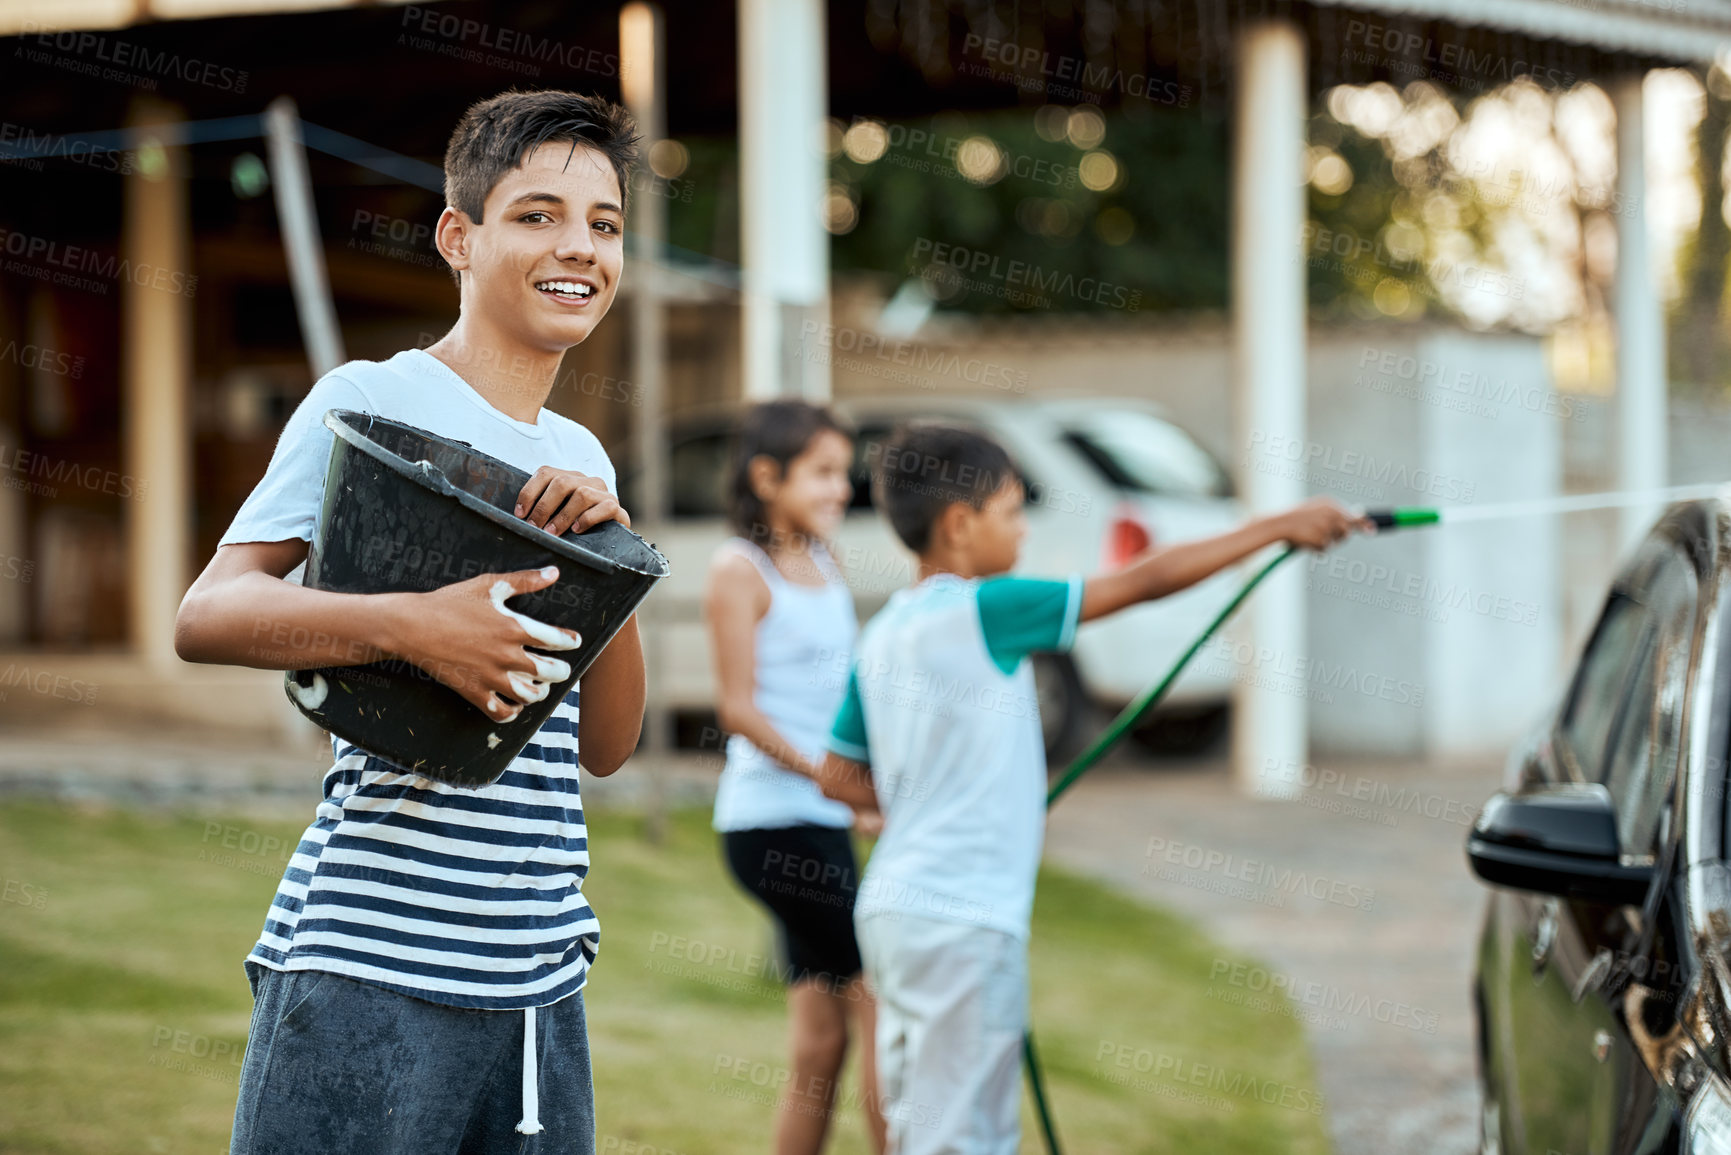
1316, 524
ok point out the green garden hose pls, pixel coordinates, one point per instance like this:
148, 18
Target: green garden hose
1134, 712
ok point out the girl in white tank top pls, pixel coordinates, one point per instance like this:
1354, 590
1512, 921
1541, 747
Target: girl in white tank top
782, 624
802, 647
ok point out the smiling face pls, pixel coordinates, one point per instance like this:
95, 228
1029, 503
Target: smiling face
812, 498
543, 267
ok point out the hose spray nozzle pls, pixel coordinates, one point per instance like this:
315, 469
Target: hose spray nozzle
1402, 517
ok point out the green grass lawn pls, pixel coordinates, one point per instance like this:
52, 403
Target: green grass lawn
124, 1009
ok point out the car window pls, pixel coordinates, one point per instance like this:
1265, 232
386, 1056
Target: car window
1645, 748
868, 444
698, 469
1605, 667
1630, 769
1140, 452
699, 466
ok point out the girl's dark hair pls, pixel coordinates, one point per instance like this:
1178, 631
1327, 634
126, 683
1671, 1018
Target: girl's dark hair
495, 135
780, 431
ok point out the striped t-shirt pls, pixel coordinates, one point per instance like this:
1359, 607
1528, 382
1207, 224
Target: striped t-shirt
470, 897
461, 896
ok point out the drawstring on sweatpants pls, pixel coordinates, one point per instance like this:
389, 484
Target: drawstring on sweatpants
530, 1124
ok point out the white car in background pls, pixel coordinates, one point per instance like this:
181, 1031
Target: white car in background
1106, 478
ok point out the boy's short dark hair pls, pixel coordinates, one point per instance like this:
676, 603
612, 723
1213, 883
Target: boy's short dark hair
925, 467
495, 135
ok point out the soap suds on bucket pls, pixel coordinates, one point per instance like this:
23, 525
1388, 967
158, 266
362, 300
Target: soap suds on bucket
526, 689
310, 697
552, 637
550, 669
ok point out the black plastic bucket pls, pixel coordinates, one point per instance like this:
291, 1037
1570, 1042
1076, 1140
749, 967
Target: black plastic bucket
408, 510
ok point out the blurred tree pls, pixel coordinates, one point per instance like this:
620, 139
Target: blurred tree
1698, 345
1490, 209
1421, 203
1060, 208
703, 200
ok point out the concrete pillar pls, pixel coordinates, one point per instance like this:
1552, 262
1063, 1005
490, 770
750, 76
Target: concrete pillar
783, 101
643, 81
156, 349
1642, 381
16, 550
1269, 730
17, 555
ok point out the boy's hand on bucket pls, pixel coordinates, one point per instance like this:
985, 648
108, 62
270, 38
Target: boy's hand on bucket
558, 500
1319, 523
464, 635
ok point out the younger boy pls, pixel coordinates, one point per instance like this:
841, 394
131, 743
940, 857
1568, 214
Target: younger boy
940, 731
414, 912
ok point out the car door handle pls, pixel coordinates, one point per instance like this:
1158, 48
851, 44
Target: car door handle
1544, 936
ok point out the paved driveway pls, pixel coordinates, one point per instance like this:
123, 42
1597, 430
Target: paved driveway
1357, 896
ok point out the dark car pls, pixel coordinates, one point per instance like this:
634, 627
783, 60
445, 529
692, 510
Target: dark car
1603, 982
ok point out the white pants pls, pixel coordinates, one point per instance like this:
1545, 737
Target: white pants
952, 1005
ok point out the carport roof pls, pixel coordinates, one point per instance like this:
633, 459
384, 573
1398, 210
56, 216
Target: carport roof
1681, 30
17, 16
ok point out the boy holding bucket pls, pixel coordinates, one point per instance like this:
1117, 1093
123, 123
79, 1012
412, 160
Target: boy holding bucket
412, 911
939, 732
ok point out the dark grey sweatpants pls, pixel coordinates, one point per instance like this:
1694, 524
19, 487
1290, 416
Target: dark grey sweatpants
334, 1066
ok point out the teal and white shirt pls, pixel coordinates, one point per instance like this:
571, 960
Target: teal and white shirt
941, 705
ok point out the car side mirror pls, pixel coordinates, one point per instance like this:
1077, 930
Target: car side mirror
1559, 839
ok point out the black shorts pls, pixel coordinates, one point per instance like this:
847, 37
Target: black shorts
807, 878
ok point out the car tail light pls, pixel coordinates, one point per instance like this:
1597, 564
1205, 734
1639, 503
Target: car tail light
1126, 537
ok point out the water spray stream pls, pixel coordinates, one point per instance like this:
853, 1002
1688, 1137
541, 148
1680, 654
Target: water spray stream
1573, 503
